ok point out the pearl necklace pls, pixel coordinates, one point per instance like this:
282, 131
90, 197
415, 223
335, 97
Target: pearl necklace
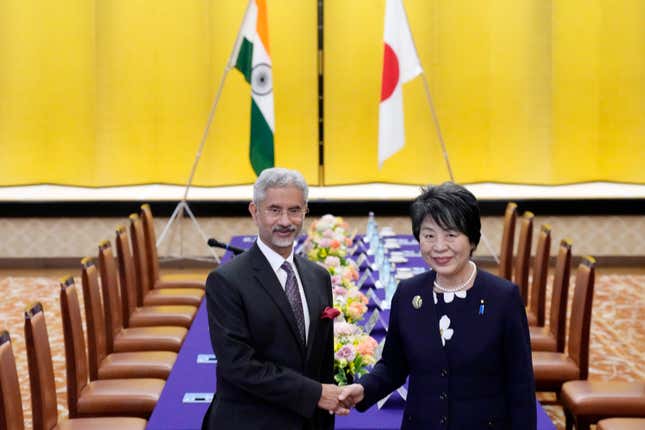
458, 287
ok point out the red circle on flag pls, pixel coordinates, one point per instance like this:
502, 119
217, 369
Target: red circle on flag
390, 72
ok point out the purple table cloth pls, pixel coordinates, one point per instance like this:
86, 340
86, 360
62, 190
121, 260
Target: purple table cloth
172, 412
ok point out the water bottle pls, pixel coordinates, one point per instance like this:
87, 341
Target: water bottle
390, 289
380, 253
384, 272
369, 232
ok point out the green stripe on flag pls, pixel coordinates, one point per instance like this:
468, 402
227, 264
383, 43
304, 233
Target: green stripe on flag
261, 150
244, 60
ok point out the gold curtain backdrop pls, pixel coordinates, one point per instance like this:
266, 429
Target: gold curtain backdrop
117, 92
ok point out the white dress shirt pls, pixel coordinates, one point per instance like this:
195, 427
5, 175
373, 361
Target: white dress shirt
276, 260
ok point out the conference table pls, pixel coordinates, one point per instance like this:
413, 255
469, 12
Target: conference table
190, 385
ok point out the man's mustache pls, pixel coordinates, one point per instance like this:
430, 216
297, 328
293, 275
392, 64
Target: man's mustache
289, 229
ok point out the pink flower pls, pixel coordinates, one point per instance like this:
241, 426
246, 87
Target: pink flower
336, 279
325, 243
332, 261
344, 329
339, 291
346, 352
367, 346
328, 234
356, 310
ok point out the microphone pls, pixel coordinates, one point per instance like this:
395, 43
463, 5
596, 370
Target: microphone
214, 243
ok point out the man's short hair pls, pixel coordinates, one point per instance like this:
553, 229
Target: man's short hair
278, 177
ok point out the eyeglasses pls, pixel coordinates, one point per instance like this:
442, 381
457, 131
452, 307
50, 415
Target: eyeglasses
277, 212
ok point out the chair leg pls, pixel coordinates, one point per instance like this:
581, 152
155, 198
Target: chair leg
568, 419
582, 423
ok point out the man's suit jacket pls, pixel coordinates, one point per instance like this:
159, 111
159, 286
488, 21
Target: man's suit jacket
482, 379
266, 377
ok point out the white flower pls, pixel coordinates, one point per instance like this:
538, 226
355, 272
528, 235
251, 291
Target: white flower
449, 297
445, 330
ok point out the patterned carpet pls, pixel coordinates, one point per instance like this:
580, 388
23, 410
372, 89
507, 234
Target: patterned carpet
617, 340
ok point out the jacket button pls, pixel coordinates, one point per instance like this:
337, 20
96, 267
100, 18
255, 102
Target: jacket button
409, 417
491, 424
443, 396
443, 420
444, 372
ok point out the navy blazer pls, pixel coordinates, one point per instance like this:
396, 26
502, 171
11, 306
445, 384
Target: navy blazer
267, 379
481, 379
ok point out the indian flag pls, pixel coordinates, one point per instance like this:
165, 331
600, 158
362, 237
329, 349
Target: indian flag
251, 56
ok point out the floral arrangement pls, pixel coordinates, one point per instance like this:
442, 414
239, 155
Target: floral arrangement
327, 244
353, 352
328, 236
350, 302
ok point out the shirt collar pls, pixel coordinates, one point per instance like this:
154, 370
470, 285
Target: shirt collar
274, 259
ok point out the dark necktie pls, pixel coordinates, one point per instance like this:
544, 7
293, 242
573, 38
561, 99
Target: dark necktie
293, 295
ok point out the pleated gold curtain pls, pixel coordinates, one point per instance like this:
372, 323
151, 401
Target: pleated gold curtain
117, 92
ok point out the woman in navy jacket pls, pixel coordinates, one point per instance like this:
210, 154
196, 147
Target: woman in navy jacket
458, 332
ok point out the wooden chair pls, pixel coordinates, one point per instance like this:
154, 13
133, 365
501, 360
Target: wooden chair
108, 397
11, 416
535, 311
552, 369
144, 316
523, 257
113, 365
508, 238
587, 402
552, 338
621, 424
154, 277
164, 295
118, 338
43, 388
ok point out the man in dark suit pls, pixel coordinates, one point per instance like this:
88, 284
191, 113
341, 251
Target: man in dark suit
274, 349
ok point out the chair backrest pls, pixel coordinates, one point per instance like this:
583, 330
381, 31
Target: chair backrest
75, 350
580, 319
523, 257
140, 258
127, 278
94, 317
44, 406
559, 294
508, 237
11, 417
151, 243
537, 302
110, 289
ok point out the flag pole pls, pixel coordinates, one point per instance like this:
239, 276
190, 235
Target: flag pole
182, 206
437, 127
211, 115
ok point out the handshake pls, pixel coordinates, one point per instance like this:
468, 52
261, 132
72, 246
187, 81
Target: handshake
339, 400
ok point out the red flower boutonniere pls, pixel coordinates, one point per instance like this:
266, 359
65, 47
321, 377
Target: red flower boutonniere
329, 313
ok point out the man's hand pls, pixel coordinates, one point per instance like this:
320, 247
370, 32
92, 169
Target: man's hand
350, 395
329, 400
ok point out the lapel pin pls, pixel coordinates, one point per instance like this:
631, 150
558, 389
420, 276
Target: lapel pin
481, 307
417, 302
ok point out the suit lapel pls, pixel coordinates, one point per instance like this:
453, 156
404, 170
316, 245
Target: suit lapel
314, 304
266, 277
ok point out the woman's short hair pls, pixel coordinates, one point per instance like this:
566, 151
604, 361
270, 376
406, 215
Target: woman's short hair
451, 206
278, 177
